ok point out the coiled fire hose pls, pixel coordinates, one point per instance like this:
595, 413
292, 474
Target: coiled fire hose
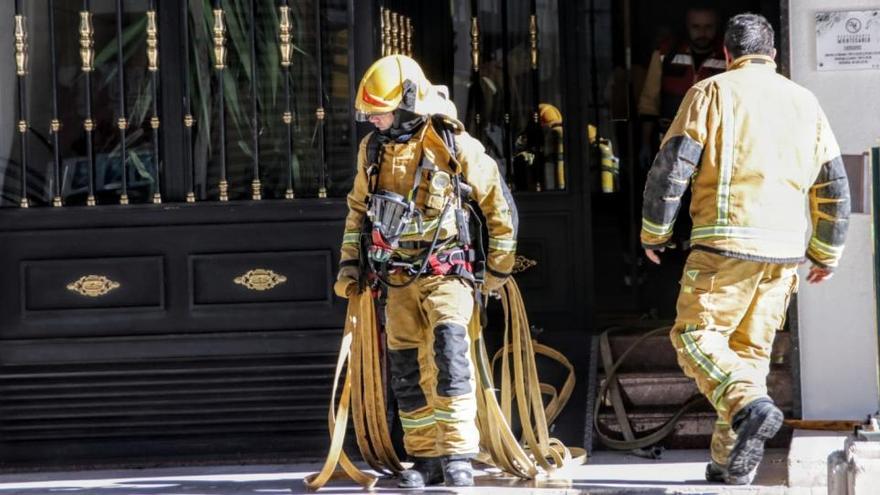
363, 398
644, 445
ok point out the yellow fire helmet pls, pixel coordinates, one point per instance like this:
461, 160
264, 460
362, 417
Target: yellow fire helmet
397, 81
549, 115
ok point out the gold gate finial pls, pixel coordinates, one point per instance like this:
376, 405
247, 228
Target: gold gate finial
86, 41
93, 286
152, 42
284, 36
386, 31
409, 37
395, 33
475, 44
219, 40
533, 39
21, 45
224, 190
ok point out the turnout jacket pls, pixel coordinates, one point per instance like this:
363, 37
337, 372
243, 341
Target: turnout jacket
400, 161
753, 145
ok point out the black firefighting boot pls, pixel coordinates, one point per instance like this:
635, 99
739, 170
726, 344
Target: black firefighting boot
754, 424
457, 471
425, 471
715, 473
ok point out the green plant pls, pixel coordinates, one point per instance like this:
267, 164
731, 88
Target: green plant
238, 78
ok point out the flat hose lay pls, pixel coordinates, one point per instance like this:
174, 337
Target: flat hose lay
519, 381
643, 446
363, 398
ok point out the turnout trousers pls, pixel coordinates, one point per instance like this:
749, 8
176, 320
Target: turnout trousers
432, 372
728, 313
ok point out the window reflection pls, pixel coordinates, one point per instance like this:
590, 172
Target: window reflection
141, 164
501, 103
272, 99
74, 171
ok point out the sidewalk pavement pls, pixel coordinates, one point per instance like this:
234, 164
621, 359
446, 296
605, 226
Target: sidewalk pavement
607, 473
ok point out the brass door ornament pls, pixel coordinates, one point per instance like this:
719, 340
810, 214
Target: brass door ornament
93, 286
260, 279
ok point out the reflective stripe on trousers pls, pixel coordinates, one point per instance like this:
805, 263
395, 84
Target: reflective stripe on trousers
728, 313
432, 374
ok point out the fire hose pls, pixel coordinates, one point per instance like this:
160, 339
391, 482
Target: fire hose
363, 399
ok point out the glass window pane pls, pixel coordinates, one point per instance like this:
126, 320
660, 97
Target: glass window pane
277, 89
71, 85
508, 89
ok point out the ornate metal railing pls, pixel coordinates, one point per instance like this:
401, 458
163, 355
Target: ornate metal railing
509, 43
116, 156
397, 32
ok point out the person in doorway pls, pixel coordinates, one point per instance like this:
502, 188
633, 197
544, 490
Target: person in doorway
407, 232
676, 65
753, 145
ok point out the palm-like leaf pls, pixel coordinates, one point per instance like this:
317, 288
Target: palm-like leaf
237, 79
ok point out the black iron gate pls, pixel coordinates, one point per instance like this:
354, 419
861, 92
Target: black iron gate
169, 242
172, 201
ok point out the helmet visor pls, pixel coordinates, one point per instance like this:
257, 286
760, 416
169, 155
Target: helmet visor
360, 116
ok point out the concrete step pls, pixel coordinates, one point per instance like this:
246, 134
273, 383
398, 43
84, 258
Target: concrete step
694, 430
657, 353
661, 389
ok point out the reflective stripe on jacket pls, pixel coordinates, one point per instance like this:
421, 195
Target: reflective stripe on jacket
754, 145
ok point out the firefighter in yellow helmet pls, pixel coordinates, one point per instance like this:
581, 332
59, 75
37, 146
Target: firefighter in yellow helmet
421, 184
753, 146
550, 119
549, 115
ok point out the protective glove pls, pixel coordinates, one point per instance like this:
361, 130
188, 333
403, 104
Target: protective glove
347, 281
491, 283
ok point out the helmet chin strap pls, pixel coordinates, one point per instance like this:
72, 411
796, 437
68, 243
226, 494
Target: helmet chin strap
405, 125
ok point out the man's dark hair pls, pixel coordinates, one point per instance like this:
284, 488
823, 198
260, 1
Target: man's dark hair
748, 34
702, 6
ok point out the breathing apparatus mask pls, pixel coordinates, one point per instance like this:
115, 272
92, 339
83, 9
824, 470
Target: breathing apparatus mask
391, 214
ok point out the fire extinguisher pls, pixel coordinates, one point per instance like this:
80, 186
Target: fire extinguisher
610, 164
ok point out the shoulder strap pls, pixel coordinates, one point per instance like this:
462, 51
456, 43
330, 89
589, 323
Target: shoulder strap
447, 134
374, 161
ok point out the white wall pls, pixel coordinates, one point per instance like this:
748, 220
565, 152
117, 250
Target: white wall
838, 324
838, 334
